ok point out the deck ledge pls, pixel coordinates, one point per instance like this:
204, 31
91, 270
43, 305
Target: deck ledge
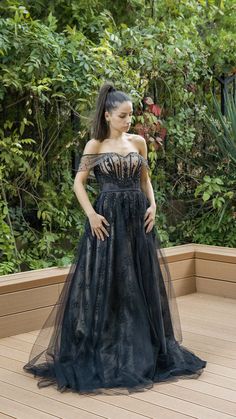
55, 275
26, 298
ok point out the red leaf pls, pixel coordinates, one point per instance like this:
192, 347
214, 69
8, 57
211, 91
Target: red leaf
140, 129
148, 100
162, 132
155, 109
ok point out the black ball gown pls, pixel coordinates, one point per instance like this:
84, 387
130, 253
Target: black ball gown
115, 327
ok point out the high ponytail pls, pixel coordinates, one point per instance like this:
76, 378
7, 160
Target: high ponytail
108, 99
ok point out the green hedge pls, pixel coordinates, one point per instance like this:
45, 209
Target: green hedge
53, 60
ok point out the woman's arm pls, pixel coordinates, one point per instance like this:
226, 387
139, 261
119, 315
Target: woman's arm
81, 180
81, 194
145, 181
146, 186
96, 220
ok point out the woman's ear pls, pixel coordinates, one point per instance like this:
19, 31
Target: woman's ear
106, 114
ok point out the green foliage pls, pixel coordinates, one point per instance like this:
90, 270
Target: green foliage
223, 127
54, 57
208, 188
205, 229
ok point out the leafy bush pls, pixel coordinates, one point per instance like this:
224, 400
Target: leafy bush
54, 58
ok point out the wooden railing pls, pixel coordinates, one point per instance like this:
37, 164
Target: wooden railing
27, 298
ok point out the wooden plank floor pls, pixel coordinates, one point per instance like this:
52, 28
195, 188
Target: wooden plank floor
209, 330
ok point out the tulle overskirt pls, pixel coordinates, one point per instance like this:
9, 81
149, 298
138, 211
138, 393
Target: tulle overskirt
115, 327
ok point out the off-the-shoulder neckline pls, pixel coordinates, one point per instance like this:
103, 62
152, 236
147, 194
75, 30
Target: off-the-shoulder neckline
112, 152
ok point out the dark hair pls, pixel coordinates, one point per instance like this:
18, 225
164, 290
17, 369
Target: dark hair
108, 99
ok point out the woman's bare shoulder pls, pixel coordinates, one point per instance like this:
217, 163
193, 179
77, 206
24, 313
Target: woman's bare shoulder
139, 142
92, 146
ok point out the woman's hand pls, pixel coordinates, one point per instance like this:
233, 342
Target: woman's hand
96, 222
149, 218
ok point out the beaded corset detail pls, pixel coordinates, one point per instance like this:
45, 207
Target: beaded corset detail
114, 169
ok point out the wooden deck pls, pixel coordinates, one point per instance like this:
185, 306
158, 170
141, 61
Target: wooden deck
209, 329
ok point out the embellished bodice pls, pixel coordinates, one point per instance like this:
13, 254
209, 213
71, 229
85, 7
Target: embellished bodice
111, 169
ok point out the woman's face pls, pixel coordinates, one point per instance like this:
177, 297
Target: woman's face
120, 118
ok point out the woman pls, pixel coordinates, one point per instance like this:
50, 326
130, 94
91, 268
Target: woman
115, 327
